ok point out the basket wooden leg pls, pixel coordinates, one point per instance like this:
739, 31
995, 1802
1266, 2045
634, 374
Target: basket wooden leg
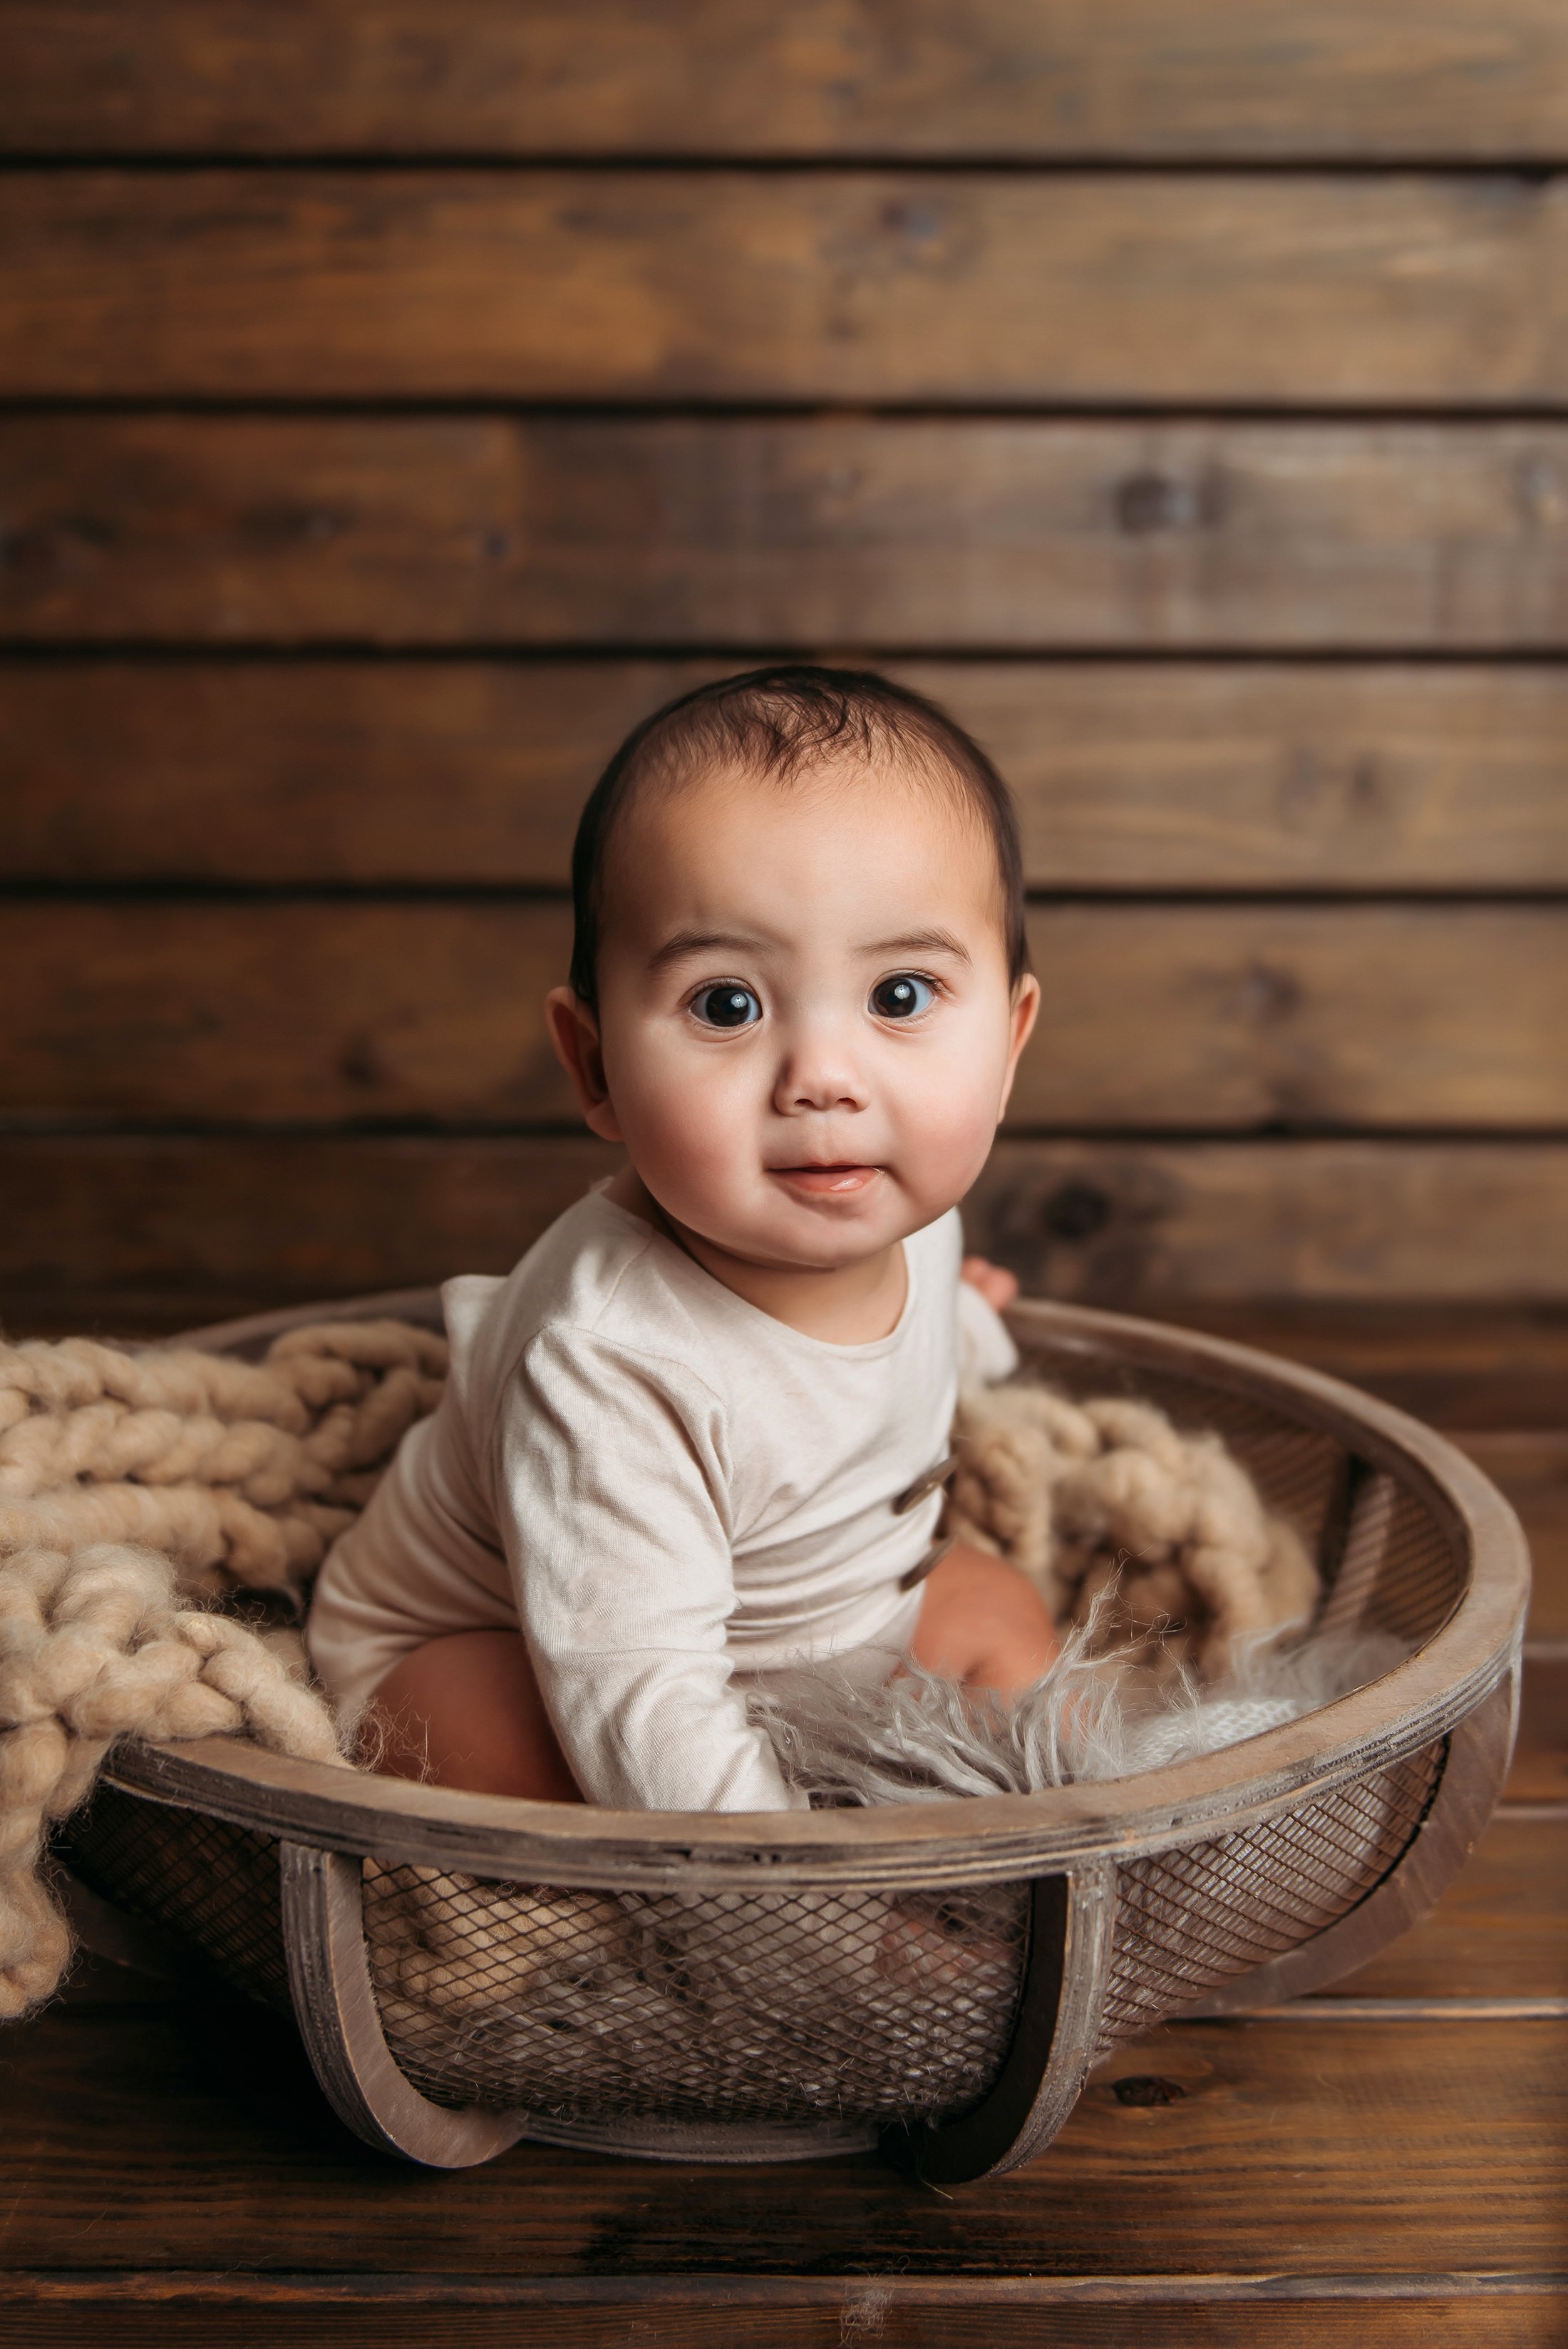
1473, 1771
1070, 1923
334, 2006
112, 1932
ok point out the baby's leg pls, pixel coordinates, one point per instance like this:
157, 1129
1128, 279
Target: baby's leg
984, 1623
466, 1711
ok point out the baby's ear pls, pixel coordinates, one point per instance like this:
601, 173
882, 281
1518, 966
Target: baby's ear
1025, 1011
574, 1032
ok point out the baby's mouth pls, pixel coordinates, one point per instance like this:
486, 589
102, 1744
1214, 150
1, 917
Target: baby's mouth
840, 1182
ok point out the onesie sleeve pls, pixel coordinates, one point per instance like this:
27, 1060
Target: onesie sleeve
986, 1354
612, 1493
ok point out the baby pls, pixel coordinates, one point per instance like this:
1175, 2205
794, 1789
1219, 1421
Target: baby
698, 1434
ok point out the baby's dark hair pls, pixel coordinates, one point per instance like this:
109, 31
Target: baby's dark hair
773, 722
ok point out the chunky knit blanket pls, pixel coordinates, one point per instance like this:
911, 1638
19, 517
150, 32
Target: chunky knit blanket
138, 1491
144, 1496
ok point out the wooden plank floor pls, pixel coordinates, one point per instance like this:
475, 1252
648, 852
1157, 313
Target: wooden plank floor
1387, 2164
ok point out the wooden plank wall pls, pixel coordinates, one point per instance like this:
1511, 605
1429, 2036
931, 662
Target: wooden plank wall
398, 400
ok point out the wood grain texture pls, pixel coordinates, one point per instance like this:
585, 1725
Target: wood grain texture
1379, 1016
1501, 1930
735, 286
919, 533
403, 2312
170, 1231
1054, 78
135, 1232
314, 1013
339, 2023
1427, 1223
1356, 2148
320, 770
1466, 1366
1229, 1016
1256, 776
1540, 1772
1531, 1467
1060, 2004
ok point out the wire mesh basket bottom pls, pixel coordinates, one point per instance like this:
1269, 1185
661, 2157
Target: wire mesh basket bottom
214, 1884
775, 2007
600, 2007
858, 2004
1191, 1919
767, 2007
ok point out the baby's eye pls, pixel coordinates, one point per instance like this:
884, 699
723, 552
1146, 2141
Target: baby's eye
727, 1007
902, 997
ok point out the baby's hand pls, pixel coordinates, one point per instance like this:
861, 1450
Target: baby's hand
996, 1286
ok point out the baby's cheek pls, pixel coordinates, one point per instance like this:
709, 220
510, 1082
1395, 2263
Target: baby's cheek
946, 1137
689, 1127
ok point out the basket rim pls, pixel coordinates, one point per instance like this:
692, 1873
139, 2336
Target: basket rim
989, 1836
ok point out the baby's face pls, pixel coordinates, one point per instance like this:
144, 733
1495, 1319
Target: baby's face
807, 1028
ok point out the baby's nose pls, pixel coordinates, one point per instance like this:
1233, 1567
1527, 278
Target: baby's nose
818, 1075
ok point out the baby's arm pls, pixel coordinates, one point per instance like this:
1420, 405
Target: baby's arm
986, 1351
996, 1285
610, 1487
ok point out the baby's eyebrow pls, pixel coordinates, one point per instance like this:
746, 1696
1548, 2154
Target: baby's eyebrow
692, 942
920, 942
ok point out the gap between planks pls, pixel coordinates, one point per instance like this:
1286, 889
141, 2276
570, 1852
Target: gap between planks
42, 2288
1396, 2010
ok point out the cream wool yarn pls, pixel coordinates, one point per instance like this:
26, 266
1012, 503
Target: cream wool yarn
94, 1645
131, 1484
241, 1473
1161, 1537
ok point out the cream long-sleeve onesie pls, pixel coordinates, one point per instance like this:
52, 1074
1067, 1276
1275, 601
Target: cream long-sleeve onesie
669, 1490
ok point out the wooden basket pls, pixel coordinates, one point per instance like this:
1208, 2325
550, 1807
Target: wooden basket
466, 1970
